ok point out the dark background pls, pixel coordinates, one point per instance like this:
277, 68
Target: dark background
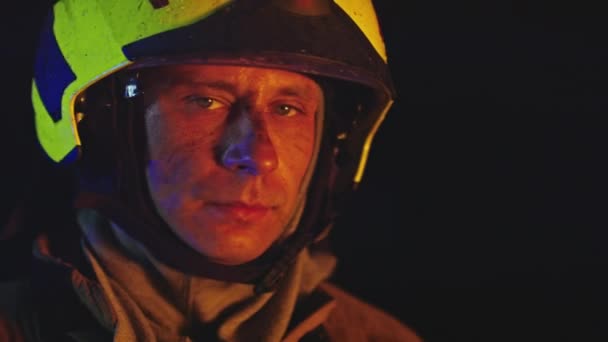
482, 213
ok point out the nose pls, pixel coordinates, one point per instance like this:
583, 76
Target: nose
246, 145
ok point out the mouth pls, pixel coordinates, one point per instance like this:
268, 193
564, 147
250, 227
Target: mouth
241, 211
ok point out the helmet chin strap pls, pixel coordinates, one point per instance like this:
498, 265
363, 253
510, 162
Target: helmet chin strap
131, 207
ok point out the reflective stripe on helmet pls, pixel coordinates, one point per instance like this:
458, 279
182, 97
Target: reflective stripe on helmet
58, 138
362, 12
368, 142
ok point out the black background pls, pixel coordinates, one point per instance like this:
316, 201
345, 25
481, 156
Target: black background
482, 213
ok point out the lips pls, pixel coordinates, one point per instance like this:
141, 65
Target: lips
241, 211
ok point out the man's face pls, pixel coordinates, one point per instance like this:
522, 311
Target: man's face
228, 148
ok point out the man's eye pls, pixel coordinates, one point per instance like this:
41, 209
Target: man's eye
286, 110
208, 103
205, 102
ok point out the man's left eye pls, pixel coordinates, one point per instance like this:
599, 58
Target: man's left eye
286, 110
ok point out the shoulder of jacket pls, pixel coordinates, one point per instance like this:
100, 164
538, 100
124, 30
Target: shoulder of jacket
353, 319
9, 330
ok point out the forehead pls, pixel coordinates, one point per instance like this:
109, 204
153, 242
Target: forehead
236, 78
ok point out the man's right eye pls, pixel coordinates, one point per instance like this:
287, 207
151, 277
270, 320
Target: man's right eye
205, 102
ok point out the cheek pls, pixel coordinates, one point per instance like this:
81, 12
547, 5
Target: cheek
175, 151
177, 163
170, 180
165, 196
295, 148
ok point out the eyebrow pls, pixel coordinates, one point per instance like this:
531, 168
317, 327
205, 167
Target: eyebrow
217, 84
296, 91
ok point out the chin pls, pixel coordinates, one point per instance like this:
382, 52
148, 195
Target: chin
232, 258
230, 244
232, 252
